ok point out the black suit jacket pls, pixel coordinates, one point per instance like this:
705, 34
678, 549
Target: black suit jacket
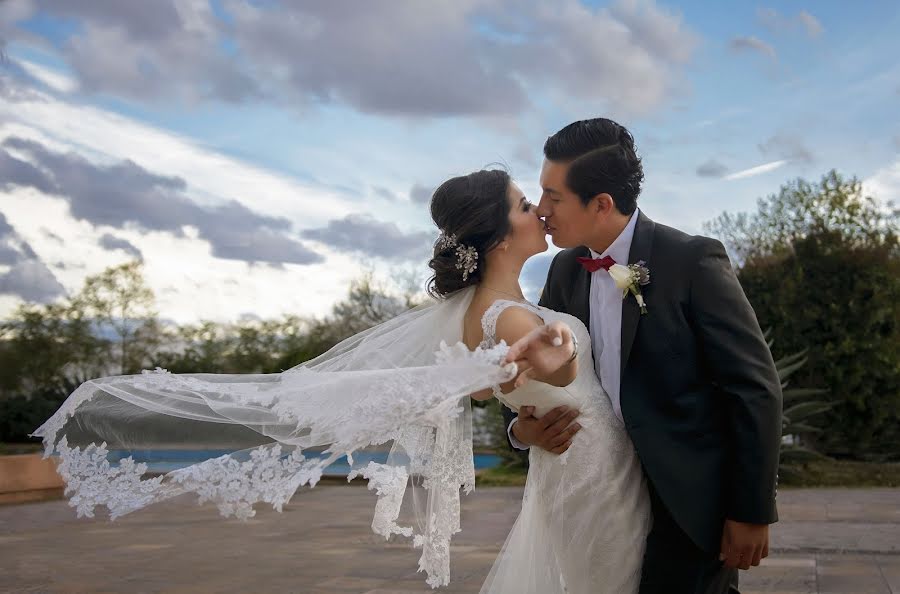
699, 391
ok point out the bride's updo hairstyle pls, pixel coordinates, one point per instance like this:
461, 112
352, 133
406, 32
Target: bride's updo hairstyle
474, 208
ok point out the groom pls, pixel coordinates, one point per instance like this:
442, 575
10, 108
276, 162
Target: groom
692, 379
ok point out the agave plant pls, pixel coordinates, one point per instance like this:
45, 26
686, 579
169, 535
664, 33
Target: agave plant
800, 405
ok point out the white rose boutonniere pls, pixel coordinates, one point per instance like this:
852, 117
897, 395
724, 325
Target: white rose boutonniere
630, 279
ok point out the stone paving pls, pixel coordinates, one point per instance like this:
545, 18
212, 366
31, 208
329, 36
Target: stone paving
829, 541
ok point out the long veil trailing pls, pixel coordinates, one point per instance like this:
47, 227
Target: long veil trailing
397, 383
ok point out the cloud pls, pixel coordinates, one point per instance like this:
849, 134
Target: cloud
212, 175
15, 93
50, 78
111, 242
772, 20
16, 172
712, 168
787, 147
812, 25
152, 49
625, 60
212, 178
69, 265
528, 154
421, 194
123, 193
248, 317
28, 277
473, 57
12, 12
753, 44
659, 31
8, 254
758, 170
884, 184
363, 234
32, 281
384, 193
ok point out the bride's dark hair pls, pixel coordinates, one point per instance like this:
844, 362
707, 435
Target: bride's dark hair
474, 208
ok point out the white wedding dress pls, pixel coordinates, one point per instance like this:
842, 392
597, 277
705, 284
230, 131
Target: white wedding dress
586, 513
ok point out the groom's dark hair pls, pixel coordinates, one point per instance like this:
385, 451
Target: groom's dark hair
603, 160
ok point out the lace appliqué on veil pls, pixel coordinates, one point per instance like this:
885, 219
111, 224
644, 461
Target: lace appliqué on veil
91, 481
389, 482
234, 486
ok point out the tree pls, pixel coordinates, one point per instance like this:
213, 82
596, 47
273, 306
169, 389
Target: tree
367, 304
202, 347
46, 351
40, 345
270, 346
23, 413
802, 209
118, 299
820, 264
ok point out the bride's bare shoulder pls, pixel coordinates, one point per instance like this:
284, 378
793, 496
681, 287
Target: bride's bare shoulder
511, 323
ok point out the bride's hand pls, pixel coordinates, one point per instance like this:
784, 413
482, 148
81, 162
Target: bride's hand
542, 352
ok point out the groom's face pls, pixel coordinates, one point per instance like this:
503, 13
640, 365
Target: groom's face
567, 219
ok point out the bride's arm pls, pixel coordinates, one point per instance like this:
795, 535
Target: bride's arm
516, 323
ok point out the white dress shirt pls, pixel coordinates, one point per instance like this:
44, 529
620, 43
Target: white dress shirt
606, 322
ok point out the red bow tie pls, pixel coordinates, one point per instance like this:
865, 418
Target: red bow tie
593, 265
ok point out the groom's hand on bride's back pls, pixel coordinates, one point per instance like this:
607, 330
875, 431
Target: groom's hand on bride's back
552, 432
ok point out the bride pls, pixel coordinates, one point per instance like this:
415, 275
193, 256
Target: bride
585, 510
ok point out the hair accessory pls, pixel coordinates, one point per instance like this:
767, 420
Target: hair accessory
446, 241
466, 256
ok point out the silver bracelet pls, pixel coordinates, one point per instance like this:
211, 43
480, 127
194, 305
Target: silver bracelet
574, 350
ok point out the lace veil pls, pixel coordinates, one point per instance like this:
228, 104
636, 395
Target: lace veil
397, 384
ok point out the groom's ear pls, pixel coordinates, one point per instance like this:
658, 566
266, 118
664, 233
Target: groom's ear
602, 203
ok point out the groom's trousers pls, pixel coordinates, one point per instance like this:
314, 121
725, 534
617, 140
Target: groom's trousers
673, 564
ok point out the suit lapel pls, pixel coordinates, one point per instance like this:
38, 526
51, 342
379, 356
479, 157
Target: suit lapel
641, 246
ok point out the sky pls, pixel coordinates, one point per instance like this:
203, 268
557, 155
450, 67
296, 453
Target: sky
259, 156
